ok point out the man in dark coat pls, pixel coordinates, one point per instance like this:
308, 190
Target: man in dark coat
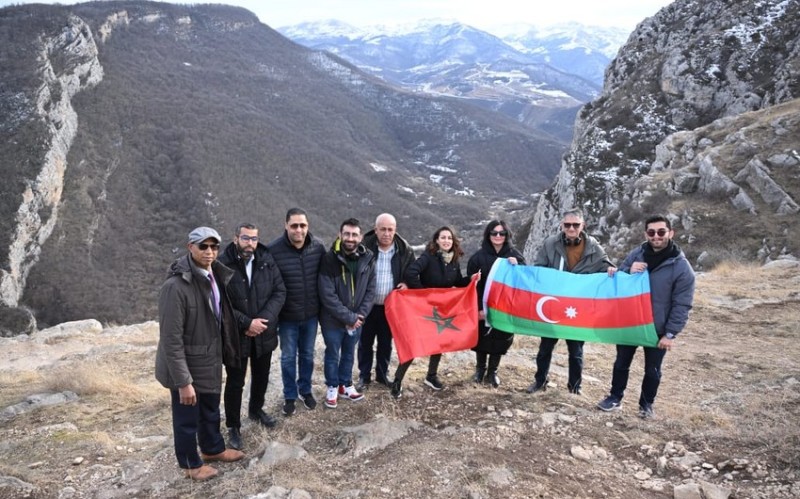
196, 334
393, 256
298, 255
346, 291
257, 294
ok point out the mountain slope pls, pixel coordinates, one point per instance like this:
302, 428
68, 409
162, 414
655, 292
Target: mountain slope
126, 124
689, 124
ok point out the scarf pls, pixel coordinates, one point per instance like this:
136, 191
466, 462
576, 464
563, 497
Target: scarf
653, 259
447, 257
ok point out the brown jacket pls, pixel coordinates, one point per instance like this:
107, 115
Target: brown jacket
191, 348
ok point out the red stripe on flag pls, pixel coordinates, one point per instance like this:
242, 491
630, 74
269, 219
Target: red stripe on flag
569, 311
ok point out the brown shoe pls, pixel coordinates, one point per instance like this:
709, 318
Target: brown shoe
204, 472
226, 456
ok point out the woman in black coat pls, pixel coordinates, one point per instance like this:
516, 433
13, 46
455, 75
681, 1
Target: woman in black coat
437, 267
492, 342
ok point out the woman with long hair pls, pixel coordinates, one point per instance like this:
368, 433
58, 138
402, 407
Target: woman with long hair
437, 267
492, 343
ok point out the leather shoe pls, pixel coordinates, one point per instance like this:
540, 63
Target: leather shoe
235, 438
204, 472
383, 381
263, 418
537, 387
226, 456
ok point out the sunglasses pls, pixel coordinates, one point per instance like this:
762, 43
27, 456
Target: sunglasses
496, 233
568, 225
204, 246
298, 226
660, 232
249, 238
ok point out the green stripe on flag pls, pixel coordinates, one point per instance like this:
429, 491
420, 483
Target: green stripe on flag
644, 335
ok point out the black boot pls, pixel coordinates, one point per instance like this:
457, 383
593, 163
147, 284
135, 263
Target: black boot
480, 367
491, 373
235, 438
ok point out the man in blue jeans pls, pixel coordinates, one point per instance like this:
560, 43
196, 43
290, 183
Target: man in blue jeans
298, 255
347, 291
671, 295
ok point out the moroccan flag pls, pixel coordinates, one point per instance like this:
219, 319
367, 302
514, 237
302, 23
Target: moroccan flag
540, 301
433, 320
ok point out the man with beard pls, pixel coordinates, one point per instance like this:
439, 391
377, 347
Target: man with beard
346, 292
257, 294
671, 295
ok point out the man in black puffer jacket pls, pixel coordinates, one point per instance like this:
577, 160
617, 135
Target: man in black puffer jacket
257, 294
298, 255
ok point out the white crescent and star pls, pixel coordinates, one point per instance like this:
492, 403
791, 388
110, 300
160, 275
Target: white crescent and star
540, 312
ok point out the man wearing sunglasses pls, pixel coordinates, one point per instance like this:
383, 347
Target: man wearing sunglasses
196, 335
671, 295
298, 255
572, 250
257, 294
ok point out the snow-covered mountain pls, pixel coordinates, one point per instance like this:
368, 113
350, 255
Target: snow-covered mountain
534, 82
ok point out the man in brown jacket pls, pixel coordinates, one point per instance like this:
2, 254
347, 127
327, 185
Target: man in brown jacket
196, 333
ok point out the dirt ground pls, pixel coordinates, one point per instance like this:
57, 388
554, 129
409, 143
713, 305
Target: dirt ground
727, 419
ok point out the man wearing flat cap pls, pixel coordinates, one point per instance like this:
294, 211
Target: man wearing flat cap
196, 334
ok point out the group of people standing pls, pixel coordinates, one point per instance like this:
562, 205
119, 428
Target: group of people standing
225, 307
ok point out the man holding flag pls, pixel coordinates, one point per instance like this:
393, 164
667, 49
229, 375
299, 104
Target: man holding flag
572, 250
671, 294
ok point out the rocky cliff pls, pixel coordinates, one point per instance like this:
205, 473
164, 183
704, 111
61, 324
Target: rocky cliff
697, 119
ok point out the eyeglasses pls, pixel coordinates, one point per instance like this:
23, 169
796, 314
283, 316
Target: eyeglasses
298, 226
496, 233
568, 225
204, 246
660, 232
249, 238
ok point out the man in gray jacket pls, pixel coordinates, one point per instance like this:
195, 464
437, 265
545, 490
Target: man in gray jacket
671, 295
196, 333
572, 250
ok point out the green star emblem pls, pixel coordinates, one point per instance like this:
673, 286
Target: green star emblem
442, 323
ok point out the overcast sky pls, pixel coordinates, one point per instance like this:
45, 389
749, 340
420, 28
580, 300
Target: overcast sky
483, 14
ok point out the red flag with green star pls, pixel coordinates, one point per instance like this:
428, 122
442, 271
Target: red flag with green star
433, 320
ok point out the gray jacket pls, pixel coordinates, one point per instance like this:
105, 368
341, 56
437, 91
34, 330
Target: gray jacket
553, 254
671, 290
190, 346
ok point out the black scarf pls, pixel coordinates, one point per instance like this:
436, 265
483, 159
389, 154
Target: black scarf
653, 259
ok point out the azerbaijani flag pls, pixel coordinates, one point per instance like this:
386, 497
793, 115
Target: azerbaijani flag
541, 301
433, 320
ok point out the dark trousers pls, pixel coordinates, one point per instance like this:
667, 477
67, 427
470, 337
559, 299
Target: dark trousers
433, 367
375, 327
193, 425
545, 354
653, 357
259, 379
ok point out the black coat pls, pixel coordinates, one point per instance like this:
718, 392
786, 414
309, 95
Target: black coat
403, 255
263, 297
345, 296
490, 340
300, 271
430, 271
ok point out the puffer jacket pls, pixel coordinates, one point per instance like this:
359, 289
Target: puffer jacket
553, 254
345, 296
430, 271
300, 271
671, 290
191, 349
263, 298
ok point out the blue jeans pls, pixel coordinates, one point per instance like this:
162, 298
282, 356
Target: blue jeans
340, 351
297, 355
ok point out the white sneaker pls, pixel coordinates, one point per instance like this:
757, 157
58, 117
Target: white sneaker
350, 392
331, 397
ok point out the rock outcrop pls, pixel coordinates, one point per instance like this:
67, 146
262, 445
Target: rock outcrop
684, 127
